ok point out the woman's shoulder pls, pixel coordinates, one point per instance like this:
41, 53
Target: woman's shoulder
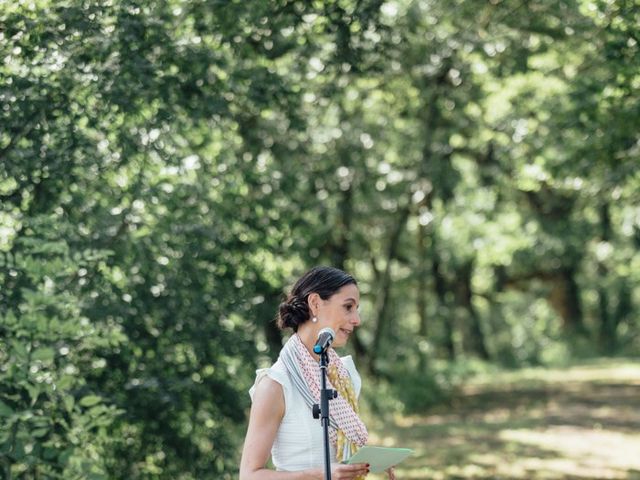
268, 400
266, 385
276, 376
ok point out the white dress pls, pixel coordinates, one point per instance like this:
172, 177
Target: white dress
299, 441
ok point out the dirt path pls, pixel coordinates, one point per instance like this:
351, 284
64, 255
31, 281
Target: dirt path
582, 422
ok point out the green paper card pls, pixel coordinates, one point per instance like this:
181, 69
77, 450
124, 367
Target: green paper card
379, 458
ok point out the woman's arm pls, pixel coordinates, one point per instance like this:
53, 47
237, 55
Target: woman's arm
267, 412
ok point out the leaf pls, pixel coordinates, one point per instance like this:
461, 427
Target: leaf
97, 411
65, 382
40, 432
66, 454
97, 476
45, 354
69, 401
90, 400
19, 349
5, 410
34, 392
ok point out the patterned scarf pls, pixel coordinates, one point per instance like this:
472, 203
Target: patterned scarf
347, 432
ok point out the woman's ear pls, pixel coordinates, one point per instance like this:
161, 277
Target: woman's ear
314, 302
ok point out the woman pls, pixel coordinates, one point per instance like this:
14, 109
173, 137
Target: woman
281, 423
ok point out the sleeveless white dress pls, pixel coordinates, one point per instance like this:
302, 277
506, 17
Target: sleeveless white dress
299, 441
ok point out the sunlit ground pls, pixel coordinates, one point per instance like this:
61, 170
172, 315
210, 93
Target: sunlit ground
577, 423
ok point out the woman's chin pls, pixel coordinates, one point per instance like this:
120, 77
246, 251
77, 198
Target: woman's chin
341, 340
338, 342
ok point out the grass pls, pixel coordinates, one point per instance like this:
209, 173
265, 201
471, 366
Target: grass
579, 422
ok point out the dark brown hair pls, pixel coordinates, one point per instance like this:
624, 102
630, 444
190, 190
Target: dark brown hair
325, 281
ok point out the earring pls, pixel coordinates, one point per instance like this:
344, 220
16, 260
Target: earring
314, 319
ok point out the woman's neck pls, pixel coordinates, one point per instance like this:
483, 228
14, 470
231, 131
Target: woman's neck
308, 333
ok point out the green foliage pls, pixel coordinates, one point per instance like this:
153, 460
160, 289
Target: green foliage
418, 390
167, 168
55, 424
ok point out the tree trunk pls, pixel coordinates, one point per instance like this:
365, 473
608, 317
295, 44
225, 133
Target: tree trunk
340, 250
421, 294
383, 303
608, 326
444, 312
624, 307
359, 348
564, 295
565, 299
266, 313
475, 339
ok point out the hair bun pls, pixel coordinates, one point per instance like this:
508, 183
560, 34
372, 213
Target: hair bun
292, 313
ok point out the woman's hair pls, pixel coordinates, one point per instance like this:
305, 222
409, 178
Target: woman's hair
325, 281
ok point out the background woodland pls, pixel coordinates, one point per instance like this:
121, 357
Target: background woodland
167, 169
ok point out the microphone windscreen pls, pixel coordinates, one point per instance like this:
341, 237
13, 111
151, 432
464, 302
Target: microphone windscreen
328, 330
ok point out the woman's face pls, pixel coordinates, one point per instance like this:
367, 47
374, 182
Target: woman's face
340, 312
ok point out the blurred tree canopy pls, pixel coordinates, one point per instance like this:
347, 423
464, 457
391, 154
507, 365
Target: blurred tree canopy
168, 168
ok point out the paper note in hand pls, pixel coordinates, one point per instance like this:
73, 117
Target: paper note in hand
379, 458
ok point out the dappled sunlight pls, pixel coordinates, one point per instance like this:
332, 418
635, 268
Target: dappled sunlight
576, 423
627, 372
610, 453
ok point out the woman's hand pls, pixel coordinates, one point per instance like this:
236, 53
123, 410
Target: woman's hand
341, 471
391, 473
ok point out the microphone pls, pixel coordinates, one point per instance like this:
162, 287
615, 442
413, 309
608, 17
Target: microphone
325, 338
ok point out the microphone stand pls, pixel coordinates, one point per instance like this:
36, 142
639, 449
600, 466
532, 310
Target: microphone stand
322, 411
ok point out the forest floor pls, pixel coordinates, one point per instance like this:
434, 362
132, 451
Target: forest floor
580, 422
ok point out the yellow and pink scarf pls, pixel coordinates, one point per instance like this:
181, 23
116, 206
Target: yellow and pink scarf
347, 432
